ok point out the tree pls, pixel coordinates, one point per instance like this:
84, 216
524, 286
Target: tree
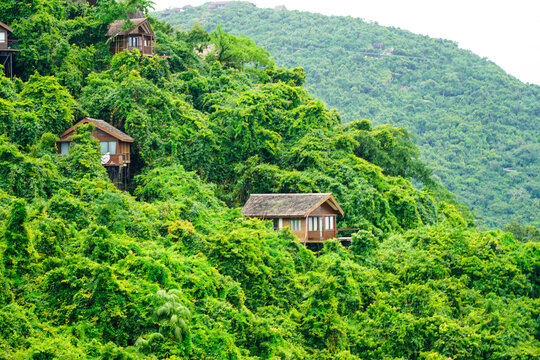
84, 156
172, 318
236, 52
18, 251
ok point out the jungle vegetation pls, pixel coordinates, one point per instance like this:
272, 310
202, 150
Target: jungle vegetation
477, 127
171, 269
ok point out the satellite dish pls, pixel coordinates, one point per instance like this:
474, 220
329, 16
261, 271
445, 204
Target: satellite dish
105, 158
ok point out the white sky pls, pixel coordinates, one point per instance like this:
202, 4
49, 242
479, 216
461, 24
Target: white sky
505, 31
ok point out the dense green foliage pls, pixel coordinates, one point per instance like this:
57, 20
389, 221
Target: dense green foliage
172, 270
477, 127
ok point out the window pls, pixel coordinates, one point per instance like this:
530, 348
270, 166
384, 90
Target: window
329, 223
278, 223
108, 147
134, 41
313, 223
64, 148
2, 37
296, 224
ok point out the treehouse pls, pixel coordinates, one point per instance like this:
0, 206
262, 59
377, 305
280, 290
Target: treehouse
311, 217
6, 52
138, 36
115, 146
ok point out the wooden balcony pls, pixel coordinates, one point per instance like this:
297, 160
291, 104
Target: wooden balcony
144, 50
118, 160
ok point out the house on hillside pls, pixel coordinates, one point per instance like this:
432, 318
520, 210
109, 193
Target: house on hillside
89, 2
217, 5
138, 36
311, 217
6, 51
115, 146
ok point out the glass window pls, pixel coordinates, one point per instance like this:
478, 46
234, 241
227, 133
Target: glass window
280, 223
112, 147
2, 37
296, 224
64, 148
326, 222
310, 223
315, 223
275, 223
331, 223
134, 41
108, 147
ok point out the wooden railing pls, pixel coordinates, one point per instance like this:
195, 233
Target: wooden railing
118, 160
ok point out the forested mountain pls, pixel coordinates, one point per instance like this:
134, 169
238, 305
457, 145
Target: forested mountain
476, 126
171, 269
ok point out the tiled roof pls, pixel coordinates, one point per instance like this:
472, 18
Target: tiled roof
287, 205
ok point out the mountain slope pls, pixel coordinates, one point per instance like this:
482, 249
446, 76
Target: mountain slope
477, 127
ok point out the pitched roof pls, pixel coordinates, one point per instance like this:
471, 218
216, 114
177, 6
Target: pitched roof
6, 27
116, 28
287, 205
102, 125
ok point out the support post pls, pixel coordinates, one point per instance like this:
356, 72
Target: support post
6, 59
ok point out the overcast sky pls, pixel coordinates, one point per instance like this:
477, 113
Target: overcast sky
505, 31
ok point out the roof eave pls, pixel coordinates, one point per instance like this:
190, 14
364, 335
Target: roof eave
87, 120
5, 26
266, 216
327, 198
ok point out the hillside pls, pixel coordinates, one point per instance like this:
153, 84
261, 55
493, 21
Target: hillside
476, 126
172, 270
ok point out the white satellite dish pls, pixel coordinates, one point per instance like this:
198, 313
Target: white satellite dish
105, 158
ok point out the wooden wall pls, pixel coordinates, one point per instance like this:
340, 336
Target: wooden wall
4, 45
301, 234
321, 212
121, 43
123, 149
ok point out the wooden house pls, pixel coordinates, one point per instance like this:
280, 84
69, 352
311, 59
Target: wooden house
139, 36
115, 146
311, 217
6, 51
89, 2
218, 5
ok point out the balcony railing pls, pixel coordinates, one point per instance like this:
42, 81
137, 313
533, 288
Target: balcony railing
118, 160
